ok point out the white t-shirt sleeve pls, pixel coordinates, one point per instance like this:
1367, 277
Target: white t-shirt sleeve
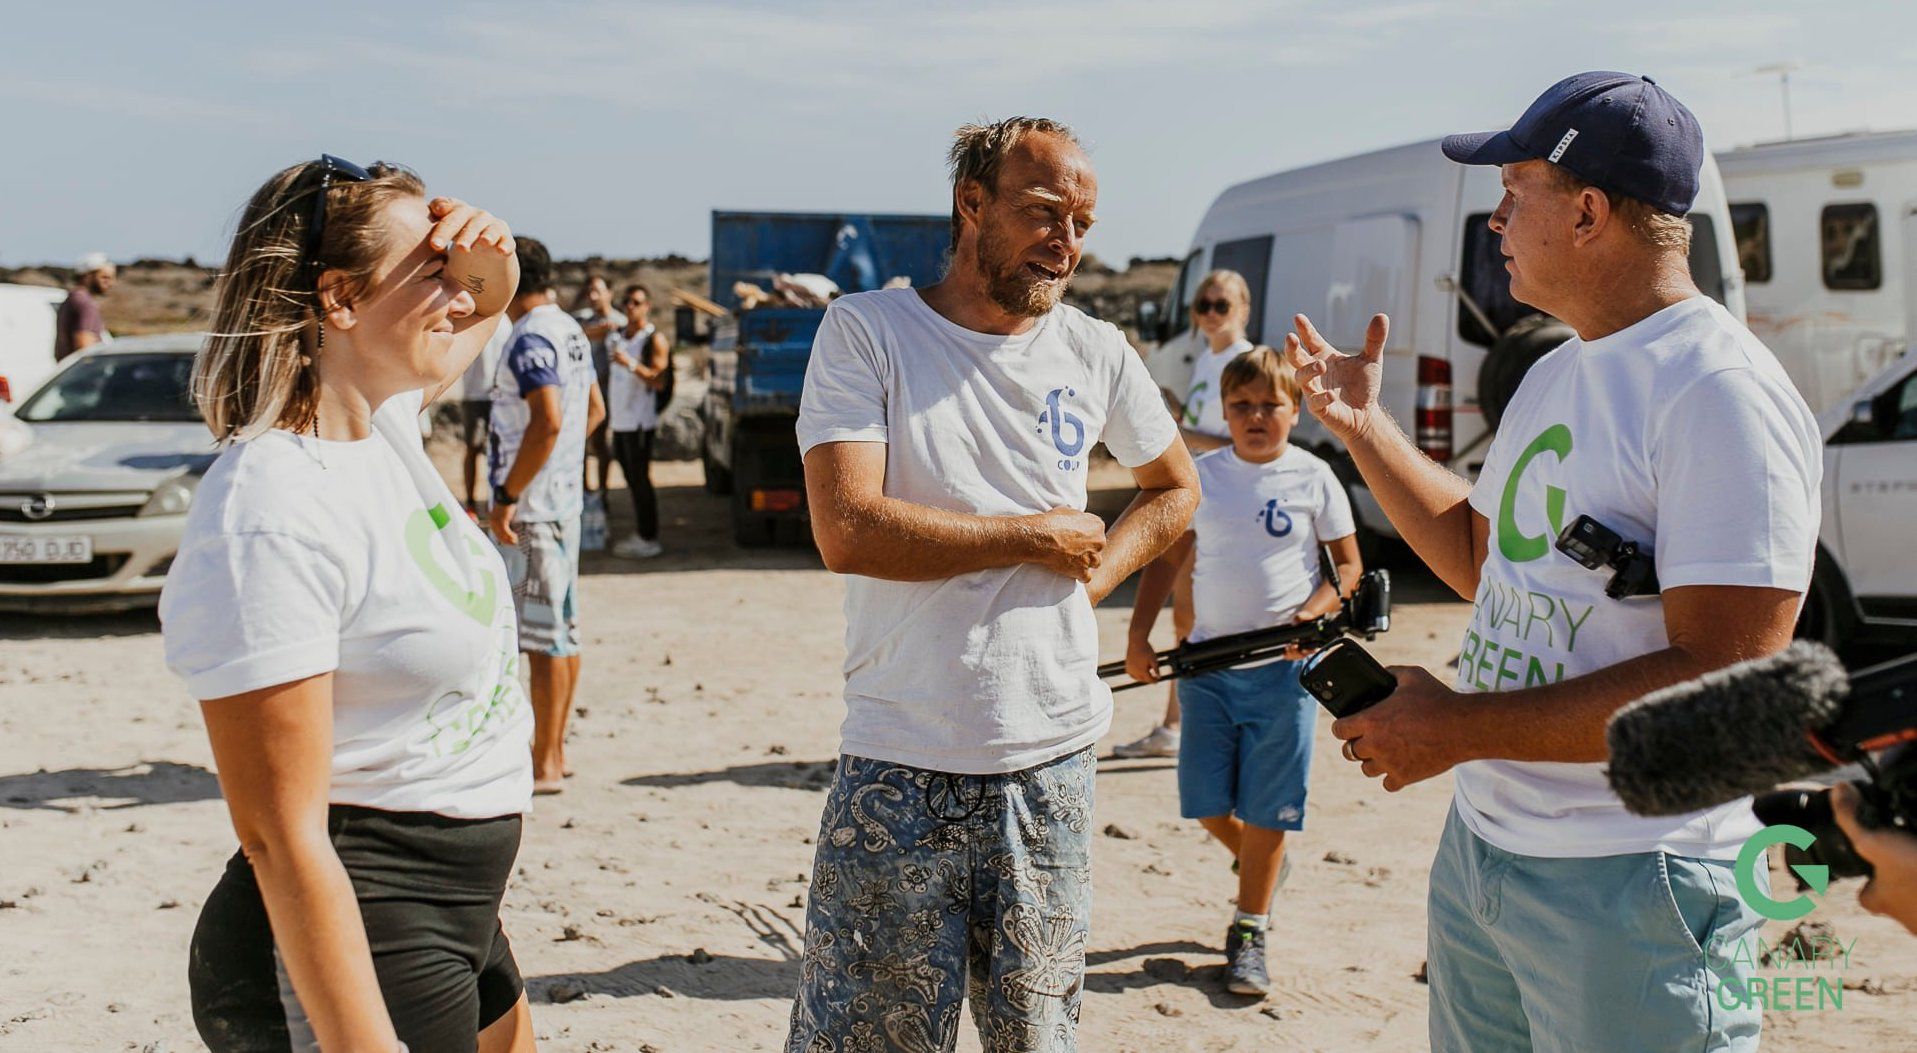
263, 609
844, 397
1138, 426
1334, 518
1733, 507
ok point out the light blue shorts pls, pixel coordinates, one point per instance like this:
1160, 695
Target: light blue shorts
1529, 953
1245, 749
544, 570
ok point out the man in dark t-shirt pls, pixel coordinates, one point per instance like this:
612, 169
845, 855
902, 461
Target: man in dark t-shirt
80, 325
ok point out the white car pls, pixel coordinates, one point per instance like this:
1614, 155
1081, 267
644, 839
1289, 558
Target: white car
1865, 587
92, 507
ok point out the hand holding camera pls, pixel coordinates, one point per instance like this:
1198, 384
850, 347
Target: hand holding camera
1892, 855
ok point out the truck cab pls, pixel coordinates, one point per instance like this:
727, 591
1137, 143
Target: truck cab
749, 444
1865, 585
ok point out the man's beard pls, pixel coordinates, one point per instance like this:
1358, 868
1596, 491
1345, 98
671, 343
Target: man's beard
1014, 289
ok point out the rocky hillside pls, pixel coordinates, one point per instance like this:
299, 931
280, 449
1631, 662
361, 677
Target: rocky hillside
156, 296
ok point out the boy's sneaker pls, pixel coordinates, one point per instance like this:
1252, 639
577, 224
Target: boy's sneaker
1245, 972
636, 547
1161, 742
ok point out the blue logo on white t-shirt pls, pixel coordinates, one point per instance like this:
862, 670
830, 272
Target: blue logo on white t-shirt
1277, 520
1064, 423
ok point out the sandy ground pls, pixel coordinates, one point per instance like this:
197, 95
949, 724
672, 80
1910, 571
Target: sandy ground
659, 901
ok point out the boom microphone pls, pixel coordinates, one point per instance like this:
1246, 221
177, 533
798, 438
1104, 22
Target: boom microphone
1731, 733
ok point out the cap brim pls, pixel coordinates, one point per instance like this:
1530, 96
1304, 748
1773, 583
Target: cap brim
1485, 148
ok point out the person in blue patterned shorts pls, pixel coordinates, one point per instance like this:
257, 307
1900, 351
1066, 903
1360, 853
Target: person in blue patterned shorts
946, 435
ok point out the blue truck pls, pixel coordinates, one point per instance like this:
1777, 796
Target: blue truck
757, 371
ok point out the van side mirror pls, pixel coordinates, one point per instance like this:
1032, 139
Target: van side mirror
1861, 426
1149, 322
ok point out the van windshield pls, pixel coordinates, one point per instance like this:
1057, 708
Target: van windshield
1483, 277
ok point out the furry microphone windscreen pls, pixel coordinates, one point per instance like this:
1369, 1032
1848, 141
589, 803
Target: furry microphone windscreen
1730, 733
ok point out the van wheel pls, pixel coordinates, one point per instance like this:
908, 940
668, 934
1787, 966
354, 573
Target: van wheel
1528, 340
1826, 615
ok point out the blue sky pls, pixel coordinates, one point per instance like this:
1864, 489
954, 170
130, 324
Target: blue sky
614, 128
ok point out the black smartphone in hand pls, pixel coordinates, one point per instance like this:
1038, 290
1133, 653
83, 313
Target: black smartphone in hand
1345, 679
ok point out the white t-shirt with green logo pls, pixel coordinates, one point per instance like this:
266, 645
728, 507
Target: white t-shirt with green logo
302, 557
1204, 406
1681, 433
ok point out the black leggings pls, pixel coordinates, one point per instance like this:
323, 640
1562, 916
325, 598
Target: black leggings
634, 451
428, 890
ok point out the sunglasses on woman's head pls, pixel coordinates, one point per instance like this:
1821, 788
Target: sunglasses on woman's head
332, 170
1211, 306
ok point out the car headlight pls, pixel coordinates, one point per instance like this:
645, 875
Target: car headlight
172, 498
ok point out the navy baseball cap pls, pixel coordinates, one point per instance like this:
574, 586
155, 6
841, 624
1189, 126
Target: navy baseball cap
1612, 130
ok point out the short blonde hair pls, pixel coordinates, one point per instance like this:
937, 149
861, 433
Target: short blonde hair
1229, 282
1261, 364
258, 369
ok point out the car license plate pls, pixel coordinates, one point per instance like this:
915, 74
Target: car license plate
50, 549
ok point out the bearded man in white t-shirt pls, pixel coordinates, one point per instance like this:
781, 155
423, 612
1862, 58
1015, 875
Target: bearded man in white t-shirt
946, 435
1558, 920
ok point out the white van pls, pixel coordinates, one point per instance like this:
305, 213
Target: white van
1403, 231
1824, 230
1865, 587
28, 314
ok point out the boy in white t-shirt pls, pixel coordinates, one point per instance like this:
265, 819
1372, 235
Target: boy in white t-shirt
1267, 508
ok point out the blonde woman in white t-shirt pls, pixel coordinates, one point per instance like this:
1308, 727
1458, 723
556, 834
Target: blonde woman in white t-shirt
1220, 311
350, 634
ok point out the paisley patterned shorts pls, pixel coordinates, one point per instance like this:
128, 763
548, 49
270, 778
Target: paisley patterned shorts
930, 887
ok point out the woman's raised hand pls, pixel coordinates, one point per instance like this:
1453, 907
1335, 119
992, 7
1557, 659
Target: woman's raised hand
459, 225
1341, 390
479, 253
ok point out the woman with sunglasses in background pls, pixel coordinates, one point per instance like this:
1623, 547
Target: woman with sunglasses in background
351, 634
1220, 311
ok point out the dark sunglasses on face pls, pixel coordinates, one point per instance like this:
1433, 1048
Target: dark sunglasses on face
332, 170
1211, 307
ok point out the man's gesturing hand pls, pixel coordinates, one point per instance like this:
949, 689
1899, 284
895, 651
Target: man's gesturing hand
1068, 542
1341, 390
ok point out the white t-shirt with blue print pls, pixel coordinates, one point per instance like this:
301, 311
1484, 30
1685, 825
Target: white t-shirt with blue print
546, 348
1259, 528
995, 670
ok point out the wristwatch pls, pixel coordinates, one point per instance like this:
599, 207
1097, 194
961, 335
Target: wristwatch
503, 497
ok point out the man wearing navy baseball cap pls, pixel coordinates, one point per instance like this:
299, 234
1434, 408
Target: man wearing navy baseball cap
1557, 919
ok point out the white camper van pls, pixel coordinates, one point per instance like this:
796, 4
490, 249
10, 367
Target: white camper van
28, 314
1824, 230
1403, 231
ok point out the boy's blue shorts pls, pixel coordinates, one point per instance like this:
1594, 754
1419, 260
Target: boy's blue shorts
1246, 745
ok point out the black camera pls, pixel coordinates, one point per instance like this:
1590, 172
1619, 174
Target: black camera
1887, 798
1597, 547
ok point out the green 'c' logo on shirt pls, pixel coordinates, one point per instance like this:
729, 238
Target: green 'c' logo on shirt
477, 604
1513, 542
